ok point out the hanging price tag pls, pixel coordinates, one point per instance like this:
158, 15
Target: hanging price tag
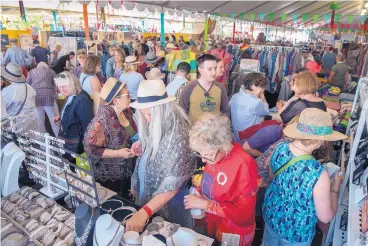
344, 221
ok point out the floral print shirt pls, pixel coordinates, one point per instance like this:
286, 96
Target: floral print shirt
288, 206
106, 132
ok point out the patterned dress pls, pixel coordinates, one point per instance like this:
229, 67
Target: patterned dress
106, 132
288, 206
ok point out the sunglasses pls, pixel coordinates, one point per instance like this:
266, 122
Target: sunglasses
208, 99
206, 158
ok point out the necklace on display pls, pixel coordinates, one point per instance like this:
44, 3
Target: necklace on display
79, 241
112, 239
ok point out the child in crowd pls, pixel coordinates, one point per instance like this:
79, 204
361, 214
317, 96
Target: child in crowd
180, 80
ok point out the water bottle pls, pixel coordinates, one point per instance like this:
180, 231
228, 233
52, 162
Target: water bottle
196, 213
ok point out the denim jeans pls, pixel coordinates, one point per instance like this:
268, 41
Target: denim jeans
271, 238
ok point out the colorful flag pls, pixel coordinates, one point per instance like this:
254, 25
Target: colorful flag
350, 19
315, 18
271, 16
252, 16
294, 17
262, 16
326, 18
283, 17
305, 17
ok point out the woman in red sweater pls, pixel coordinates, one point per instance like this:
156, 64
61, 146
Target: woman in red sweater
228, 187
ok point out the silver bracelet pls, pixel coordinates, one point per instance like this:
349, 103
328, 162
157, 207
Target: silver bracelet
112, 210
62, 215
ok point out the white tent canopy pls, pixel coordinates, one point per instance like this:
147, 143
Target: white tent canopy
197, 9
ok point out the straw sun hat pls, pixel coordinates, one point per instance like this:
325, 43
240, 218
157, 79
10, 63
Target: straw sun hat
315, 124
111, 89
151, 93
154, 73
130, 60
13, 73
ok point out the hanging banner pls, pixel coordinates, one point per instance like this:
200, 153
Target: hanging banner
349, 31
315, 18
252, 16
262, 16
350, 19
232, 15
215, 16
271, 16
242, 16
337, 18
103, 16
356, 32
223, 15
326, 18
283, 17
305, 17
294, 17
55, 20
22, 11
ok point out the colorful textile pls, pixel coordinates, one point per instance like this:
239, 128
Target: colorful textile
288, 206
176, 56
250, 131
226, 58
314, 130
231, 185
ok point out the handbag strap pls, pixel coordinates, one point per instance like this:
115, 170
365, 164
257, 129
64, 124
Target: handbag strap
25, 98
293, 161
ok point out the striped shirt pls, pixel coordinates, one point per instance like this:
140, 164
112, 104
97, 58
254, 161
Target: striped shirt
17, 56
42, 81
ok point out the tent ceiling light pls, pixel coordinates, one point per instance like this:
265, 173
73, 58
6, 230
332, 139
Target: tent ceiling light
366, 5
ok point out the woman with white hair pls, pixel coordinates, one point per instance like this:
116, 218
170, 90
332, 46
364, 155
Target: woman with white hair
42, 81
228, 187
76, 114
166, 163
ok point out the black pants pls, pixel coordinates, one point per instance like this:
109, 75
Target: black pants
120, 186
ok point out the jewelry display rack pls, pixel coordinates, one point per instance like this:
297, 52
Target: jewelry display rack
346, 222
44, 164
81, 184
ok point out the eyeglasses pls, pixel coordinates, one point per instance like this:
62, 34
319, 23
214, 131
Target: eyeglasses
206, 158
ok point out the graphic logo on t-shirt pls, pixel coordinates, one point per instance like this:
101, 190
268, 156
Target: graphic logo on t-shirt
209, 104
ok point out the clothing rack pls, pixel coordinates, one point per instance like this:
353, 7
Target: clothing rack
337, 234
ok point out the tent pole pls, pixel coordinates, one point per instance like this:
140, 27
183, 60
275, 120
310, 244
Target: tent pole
162, 28
85, 17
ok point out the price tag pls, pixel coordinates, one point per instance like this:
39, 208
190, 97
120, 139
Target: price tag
344, 221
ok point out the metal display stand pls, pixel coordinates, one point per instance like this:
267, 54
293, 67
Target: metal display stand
80, 180
44, 164
347, 212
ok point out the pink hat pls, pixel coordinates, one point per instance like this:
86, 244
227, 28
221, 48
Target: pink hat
313, 66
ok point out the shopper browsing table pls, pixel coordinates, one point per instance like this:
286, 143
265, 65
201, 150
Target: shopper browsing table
228, 188
107, 140
76, 114
89, 80
166, 162
301, 192
339, 73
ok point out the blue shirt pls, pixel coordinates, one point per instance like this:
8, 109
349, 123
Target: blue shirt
40, 54
110, 71
175, 85
328, 60
246, 110
288, 206
17, 56
132, 80
85, 80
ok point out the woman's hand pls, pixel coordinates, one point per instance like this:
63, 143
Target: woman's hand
137, 222
337, 180
280, 104
56, 119
195, 201
136, 148
125, 153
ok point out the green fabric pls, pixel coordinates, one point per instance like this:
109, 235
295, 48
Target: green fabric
130, 130
293, 161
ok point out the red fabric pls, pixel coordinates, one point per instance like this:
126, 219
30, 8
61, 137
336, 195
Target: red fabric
231, 184
25, 72
250, 131
313, 66
142, 68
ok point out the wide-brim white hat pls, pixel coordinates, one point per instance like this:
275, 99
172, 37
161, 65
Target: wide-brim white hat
13, 73
151, 93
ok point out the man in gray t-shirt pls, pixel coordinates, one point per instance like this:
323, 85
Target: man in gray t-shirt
339, 73
328, 59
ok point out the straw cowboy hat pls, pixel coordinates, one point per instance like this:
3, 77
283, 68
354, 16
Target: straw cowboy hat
151, 93
170, 46
130, 60
13, 73
154, 73
151, 57
315, 124
111, 89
